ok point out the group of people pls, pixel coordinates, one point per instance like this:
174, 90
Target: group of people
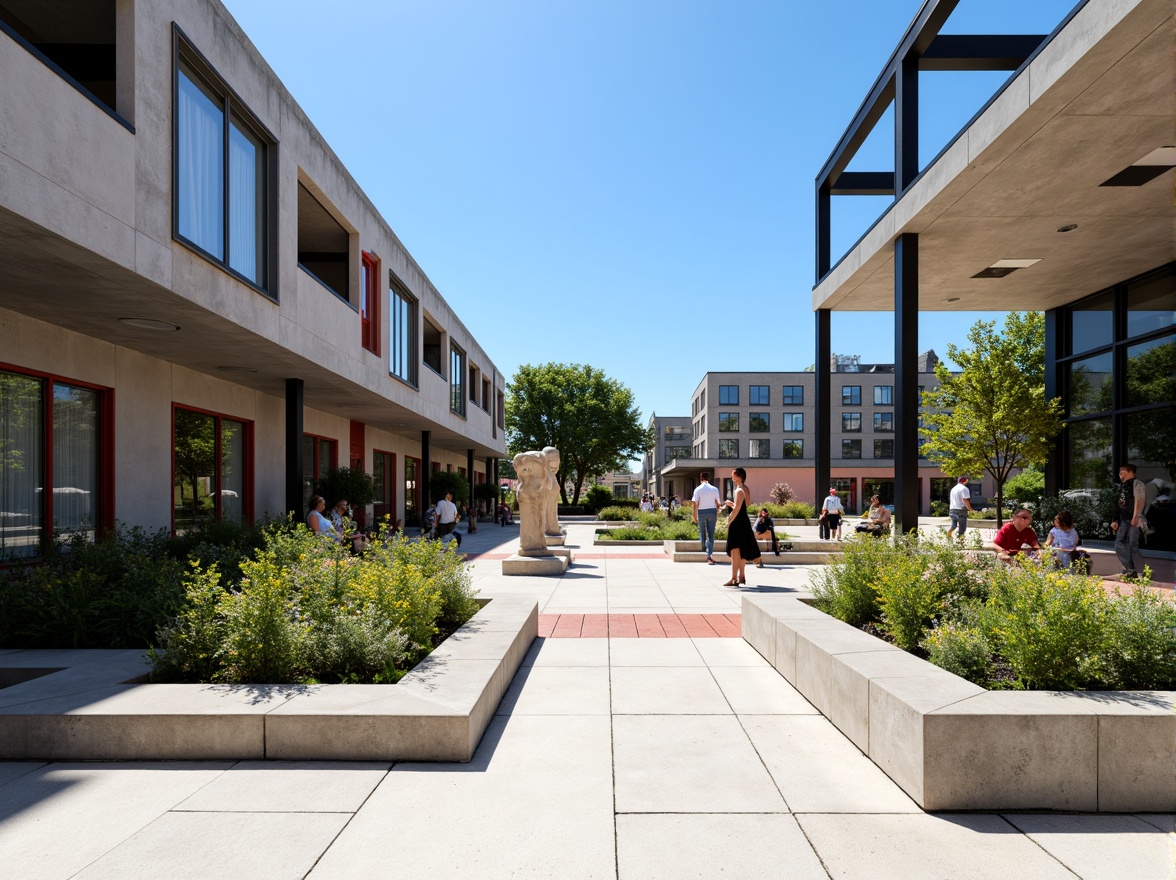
742, 538
336, 526
651, 503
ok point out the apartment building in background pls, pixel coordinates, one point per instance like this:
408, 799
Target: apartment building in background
200, 310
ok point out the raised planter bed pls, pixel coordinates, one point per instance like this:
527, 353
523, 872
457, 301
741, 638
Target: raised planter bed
950, 744
802, 552
93, 705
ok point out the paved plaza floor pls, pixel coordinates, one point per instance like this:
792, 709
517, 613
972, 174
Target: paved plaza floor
641, 738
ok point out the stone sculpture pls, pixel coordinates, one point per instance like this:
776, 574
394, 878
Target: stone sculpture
536, 495
551, 514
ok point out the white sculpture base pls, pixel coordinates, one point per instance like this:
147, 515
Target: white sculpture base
556, 540
556, 563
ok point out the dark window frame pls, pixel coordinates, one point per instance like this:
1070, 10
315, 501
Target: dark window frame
726, 397
247, 477
848, 445
851, 395
790, 444
369, 303
851, 423
758, 395
458, 361
792, 395
883, 423
402, 346
232, 107
886, 398
793, 419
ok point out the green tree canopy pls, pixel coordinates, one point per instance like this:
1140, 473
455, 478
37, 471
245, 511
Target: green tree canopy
590, 418
993, 416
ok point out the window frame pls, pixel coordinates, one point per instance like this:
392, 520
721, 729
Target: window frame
726, 397
880, 443
369, 303
184, 52
247, 477
789, 444
404, 340
105, 508
846, 443
763, 417
316, 468
883, 423
727, 442
728, 423
789, 392
385, 489
796, 420
851, 395
756, 443
458, 362
851, 423
759, 395
886, 398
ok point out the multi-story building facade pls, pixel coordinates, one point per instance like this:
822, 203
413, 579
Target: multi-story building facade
1057, 196
200, 310
765, 423
672, 439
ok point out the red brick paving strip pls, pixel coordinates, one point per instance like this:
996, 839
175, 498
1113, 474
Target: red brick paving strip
638, 626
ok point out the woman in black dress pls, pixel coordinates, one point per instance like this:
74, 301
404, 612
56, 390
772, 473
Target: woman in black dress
742, 546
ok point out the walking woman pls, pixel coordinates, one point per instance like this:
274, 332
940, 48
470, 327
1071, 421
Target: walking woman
742, 546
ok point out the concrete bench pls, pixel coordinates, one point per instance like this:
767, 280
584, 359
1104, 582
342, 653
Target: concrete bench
93, 705
952, 745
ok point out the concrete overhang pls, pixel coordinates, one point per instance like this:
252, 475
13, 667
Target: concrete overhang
51, 279
1096, 99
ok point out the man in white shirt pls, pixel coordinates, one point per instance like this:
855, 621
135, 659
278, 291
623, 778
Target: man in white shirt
831, 512
705, 504
447, 518
958, 506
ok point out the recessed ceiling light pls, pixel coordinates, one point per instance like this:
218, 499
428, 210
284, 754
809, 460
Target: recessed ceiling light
232, 369
1069, 227
150, 324
952, 299
1013, 264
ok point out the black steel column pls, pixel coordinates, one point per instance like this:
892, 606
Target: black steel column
824, 221
906, 124
1053, 388
822, 432
426, 471
497, 481
906, 383
294, 463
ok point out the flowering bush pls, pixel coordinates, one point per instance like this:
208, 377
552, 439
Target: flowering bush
306, 610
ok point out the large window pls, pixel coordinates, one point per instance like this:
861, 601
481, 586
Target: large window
412, 491
884, 423
728, 421
212, 456
369, 305
319, 455
324, 245
793, 421
728, 449
457, 367
432, 349
792, 449
221, 172
384, 476
851, 422
851, 448
402, 359
1091, 385
673, 452
851, 395
757, 395
883, 449
883, 395
759, 449
56, 464
757, 422
793, 395
728, 395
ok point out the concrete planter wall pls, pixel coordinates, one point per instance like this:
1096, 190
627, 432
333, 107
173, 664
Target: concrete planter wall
952, 745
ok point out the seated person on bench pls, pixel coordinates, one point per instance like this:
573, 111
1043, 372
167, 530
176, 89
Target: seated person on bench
878, 521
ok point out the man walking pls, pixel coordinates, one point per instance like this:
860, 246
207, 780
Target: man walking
1132, 498
705, 505
447, 518
958, 507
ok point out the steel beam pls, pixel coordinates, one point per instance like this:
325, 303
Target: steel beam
294, 463
979, 52
864, 183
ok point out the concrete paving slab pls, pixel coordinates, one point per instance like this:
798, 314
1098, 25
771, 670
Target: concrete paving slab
926, 847
536, 800
93, 806
655, 652
568, 652
760, 691
1166, 822
1102, 846
714, 845
289, 787
689, 764
818, 770
729, 652
222, 845
557, 690
12, 770
666, 690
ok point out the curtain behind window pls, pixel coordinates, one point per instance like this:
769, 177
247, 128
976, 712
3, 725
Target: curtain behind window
21, 465
75, 458
200, 167
246, 204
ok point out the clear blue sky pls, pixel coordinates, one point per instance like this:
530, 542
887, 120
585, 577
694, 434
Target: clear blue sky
641, 169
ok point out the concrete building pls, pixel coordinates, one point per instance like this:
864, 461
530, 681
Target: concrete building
1056, 196
200, 310
766, 424
672, 439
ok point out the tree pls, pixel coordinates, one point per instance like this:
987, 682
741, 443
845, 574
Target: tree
993, 416
449, 481
782, 493
590, 418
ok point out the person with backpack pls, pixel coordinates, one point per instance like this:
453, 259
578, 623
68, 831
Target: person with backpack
1132, 499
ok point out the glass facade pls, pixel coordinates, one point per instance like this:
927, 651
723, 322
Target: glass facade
210, 463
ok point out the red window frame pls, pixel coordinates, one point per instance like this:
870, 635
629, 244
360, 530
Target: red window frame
247, 503
317, 469
387, 491
369, 305
104, 509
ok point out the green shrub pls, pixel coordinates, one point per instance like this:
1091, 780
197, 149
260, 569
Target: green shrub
1092, 515
796, 510
597, 497
191, 644
911, 597
351, 485
939, 508
1140, 647
1049, 625
961, 649
1025, 488
846, 590
617, 513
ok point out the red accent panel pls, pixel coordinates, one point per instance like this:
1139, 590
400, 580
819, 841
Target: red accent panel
358, 452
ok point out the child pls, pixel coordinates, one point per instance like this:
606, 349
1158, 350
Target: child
1063, 538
